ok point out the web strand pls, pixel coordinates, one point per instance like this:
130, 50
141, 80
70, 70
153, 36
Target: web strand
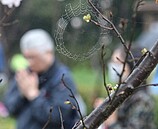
78, 10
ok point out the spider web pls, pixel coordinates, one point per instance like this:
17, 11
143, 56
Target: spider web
79, 10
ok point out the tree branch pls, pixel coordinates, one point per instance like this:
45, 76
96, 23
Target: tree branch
77, 107
61, 118
103, 69
112, 27
138, 75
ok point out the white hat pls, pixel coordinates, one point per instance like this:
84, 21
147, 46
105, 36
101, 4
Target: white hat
36, 39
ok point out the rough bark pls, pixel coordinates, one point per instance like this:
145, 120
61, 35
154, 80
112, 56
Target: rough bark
138, 75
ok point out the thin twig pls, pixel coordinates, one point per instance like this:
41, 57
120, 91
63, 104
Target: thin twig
100, 114
106, 19
134, 26
133, 29
104, 76
127, 48
49, 118
117, 73
119, 60
61, 118
73, 96
104, 27
139, 60
120, 76
113, 28
146, 85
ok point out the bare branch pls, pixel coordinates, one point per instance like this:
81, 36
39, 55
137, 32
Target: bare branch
113, 28
49, 118
121, 75
146, 86
106, 19
116, 72
138, 75
73, 96
119, 60
61, 118
104, 27
104, 76
133, 27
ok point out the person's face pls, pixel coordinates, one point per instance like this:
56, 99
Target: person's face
38, 61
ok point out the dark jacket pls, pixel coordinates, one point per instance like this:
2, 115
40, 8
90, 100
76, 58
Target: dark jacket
34, 114
136, 112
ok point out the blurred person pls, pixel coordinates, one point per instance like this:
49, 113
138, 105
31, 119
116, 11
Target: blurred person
17, 62
137, 111
149, 35
3, 80
3, 110
38, 89
148, 12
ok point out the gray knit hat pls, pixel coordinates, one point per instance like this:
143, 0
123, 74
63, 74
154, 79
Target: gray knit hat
36, 39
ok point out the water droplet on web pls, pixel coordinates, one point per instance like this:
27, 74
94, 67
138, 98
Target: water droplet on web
74, 37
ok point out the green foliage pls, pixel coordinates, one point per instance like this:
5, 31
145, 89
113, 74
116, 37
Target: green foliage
89, 84
7, 123
85, 79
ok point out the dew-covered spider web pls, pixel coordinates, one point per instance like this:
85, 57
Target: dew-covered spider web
76, 38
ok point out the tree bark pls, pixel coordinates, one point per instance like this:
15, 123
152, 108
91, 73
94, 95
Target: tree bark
138, 75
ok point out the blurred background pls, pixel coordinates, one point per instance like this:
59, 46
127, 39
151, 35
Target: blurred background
79, 37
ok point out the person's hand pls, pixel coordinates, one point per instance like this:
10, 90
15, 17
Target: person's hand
27, 84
